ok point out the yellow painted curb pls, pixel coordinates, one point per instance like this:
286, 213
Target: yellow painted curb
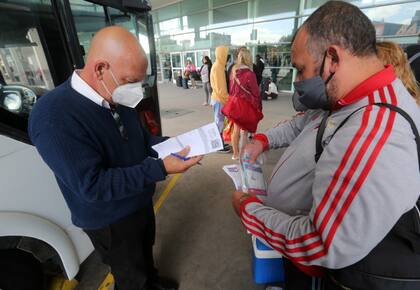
166, 192
109, 280
59, 283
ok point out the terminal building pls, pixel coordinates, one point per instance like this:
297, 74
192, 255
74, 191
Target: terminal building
191, 29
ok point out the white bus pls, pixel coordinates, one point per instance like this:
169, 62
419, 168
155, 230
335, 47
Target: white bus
41, 43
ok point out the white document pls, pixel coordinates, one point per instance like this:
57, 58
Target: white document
234, 172
202, 141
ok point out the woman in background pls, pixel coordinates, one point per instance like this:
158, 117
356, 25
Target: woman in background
205, 77
190, 72
243, 84
391, 53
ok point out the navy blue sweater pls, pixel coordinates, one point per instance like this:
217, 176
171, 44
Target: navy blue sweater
102, 176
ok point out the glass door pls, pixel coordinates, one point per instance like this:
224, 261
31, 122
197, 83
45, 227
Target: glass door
278, 65
165, 67
177, 64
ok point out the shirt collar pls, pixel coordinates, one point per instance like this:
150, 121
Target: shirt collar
376, 81
79, 85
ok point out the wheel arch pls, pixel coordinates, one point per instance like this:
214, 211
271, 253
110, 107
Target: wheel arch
29, 225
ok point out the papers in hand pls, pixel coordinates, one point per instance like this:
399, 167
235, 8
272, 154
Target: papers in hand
234, 172
247, 177
202, 141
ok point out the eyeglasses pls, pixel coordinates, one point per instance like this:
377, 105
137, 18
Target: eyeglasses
119, 123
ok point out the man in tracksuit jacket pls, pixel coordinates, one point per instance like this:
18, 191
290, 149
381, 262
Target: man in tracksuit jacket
332, 213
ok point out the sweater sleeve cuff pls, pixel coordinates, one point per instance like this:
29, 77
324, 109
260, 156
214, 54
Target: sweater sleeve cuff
263, 139
162, 166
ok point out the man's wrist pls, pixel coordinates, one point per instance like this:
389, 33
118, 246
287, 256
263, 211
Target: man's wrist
243, 197
263, 139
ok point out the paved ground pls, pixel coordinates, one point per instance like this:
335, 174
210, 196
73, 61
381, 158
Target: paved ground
199, 240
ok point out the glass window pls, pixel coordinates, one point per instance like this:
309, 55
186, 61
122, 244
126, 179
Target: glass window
278, 65
136, 25
165, 68
169, 12
197, 21
312, 5
184, 41
269, 9
275, 31
192, 6
176, 65
176, 60
231, 13
143, 36
217, 3
237, 35
88, 18
25, 73
122, 19
172, 26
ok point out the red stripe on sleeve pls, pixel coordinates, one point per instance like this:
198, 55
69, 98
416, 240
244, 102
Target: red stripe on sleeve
361, 178
348, 177
346, 157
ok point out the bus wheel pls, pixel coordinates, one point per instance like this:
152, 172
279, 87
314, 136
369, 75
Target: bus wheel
20, 270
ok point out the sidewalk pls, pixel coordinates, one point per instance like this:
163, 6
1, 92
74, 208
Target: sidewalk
200, 240
182, 110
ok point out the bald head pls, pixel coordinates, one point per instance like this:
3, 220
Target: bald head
114, 51
115, 44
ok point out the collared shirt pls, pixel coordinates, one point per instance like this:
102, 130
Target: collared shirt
79, 85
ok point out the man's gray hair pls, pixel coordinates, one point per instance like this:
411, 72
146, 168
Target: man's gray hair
343, 24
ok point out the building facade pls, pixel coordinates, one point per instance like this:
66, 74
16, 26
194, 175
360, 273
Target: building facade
191, 29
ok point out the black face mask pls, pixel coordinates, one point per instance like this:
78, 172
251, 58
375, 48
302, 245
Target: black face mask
311, 93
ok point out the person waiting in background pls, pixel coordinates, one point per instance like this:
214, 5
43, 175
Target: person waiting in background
230, 67
190, 72
205, 77
272, 92
391, 53
219, 93
258, 68
243, 84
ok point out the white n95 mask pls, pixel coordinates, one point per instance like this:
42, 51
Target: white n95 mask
128, 95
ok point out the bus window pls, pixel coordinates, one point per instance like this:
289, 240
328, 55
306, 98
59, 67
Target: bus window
143, 35
88, 19
136, 25
24, 67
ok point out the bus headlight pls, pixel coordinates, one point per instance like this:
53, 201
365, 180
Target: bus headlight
12, 101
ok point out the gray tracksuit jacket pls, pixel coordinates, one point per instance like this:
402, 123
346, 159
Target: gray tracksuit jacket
334, 212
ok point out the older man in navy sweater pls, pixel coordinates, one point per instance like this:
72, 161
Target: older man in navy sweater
87, 132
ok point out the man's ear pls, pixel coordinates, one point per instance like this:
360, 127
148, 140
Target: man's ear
334, 53
100, 67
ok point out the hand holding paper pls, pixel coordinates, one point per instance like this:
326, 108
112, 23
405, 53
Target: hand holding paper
175, 164
202, 141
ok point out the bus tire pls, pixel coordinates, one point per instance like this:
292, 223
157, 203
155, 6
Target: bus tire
20, 270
